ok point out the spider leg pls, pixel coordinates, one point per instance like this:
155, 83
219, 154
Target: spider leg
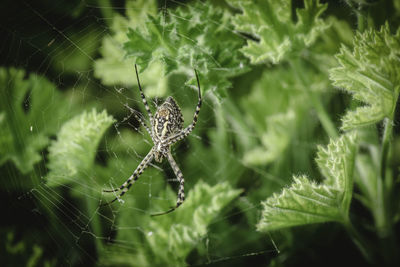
162, 213
185, 132
128, 183
144, 97
142, 122
181, 192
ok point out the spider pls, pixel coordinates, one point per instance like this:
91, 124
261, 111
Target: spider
166, 129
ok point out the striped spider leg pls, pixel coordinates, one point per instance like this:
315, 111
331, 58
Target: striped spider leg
166, 129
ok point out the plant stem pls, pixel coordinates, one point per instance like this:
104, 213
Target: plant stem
362, 243
383, 220
386, 139
92, 208
325, 120
360, 18
323, 117
381, 201
107, 11
359, 11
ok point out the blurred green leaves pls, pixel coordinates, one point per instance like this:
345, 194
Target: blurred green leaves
274, 140
278, 35
278, 123
370, 72
24, 252
31, 110
72, 155
114, 68
306, 202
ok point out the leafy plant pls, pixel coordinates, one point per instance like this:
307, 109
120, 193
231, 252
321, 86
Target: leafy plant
72, 155
24, 128
279, 79
306, 202
271, 22
371, 73
165, 38
178, 234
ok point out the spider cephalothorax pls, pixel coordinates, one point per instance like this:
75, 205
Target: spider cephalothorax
166, 129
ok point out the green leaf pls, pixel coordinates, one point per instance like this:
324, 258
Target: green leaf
306, 202
201, 207
113, 68
72, 155
181, 46
336, 163
371, 73
30, 111
274, 140
278, 122
272, 23
170, 238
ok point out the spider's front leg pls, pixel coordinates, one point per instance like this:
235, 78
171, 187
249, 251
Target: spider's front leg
179, 176
143, 97
140, 120
185, 132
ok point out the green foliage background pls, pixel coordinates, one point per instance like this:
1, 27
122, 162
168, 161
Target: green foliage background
295, 158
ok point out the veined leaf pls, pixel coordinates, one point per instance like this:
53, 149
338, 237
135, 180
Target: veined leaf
30, 111
272, 23
171, 238
182, 46
202, 205
74, 151
371, 73
306, 202
336, 163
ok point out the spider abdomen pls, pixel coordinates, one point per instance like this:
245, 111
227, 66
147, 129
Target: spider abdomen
168, 119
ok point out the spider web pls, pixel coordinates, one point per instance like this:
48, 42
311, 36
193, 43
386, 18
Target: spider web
61, 217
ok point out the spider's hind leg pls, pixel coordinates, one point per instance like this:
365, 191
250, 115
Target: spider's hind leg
181, 192
128, 183
111, 190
